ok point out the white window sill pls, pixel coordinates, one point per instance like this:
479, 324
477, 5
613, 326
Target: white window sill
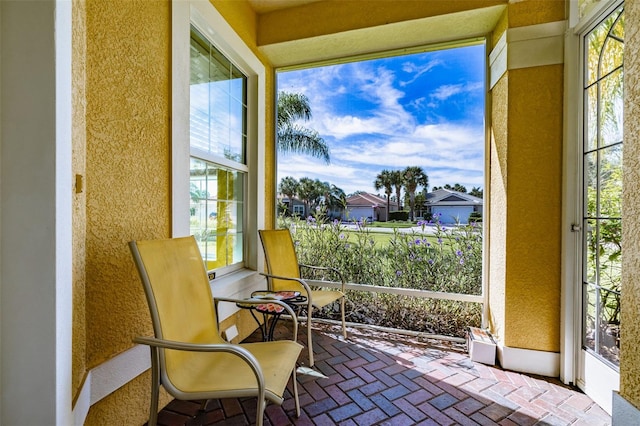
238, 285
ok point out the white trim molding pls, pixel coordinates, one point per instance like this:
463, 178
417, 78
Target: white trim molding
529, 361
116, 372
624, 412
526, 47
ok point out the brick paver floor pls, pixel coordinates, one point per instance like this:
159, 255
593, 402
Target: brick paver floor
376, 378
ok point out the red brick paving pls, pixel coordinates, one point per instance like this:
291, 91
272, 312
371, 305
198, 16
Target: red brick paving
377, 378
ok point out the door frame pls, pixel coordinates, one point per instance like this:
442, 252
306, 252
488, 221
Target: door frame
573, 359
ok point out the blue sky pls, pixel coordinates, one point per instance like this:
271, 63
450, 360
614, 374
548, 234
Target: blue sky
423, 110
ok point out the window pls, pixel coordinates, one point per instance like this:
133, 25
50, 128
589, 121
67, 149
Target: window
298, 209
218, 131
217, 140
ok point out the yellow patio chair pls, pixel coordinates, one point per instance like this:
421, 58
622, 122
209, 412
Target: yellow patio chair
284, 273
188, 355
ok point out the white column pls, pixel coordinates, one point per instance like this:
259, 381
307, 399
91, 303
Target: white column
35, 212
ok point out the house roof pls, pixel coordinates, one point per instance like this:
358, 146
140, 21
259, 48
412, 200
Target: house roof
366, 199
448, 197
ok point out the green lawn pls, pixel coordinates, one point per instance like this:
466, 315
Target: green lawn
402, 224
382, 238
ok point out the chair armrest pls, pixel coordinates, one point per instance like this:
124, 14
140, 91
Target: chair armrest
326, 268
288, 308
237, 350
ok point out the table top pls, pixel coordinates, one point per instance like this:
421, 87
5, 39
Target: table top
271, 308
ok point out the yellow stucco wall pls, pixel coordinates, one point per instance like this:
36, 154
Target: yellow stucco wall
526, 178
526, 194
532, 12
127, 178
630, 342
79, 200
498, 204
534, 194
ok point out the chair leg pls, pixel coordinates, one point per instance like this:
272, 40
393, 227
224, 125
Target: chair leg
344, 328
294, 380
260, 412
155, 387
309, 342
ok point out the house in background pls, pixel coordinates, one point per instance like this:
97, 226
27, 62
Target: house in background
452, 206
368, 206
293, 206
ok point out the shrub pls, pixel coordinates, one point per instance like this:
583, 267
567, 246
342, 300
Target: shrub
399, 216
448, 261
475, 217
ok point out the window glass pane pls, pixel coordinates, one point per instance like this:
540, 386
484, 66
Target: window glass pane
589, 318
218, 102
591, 240
611, 103
611, 56
610, 254
590, 183
591, 124
610, 199
593, 45
609, 326
199, 92
217, 212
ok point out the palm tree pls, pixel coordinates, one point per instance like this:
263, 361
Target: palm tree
397, 180
291, 137
310, 192
289, 188
383, 180
335, 198
413, 177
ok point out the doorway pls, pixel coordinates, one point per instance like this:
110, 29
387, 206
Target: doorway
599, 255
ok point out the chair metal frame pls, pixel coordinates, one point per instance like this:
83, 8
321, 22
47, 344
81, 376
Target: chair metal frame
158, 345
302, 282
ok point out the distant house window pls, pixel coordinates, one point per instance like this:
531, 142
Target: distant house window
298, 210
218, 144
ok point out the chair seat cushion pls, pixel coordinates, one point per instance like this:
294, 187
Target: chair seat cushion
322, 298
217, 371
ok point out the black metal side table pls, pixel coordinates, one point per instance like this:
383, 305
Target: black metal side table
269, 309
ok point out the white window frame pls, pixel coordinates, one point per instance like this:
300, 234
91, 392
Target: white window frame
202, 15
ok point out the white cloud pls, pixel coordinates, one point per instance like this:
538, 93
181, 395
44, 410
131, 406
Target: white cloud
365, 117
446, 91
417, 70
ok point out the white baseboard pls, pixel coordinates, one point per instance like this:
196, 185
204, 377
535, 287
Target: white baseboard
624, 413
529, 361
111, 375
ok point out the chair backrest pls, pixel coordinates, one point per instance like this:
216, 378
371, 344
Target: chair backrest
280, 255
178, 293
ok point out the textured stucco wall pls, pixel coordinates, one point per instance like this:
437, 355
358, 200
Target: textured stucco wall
532, 12
526, 194
498, 205
534, 193
127, 177
79, 200
630, 345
